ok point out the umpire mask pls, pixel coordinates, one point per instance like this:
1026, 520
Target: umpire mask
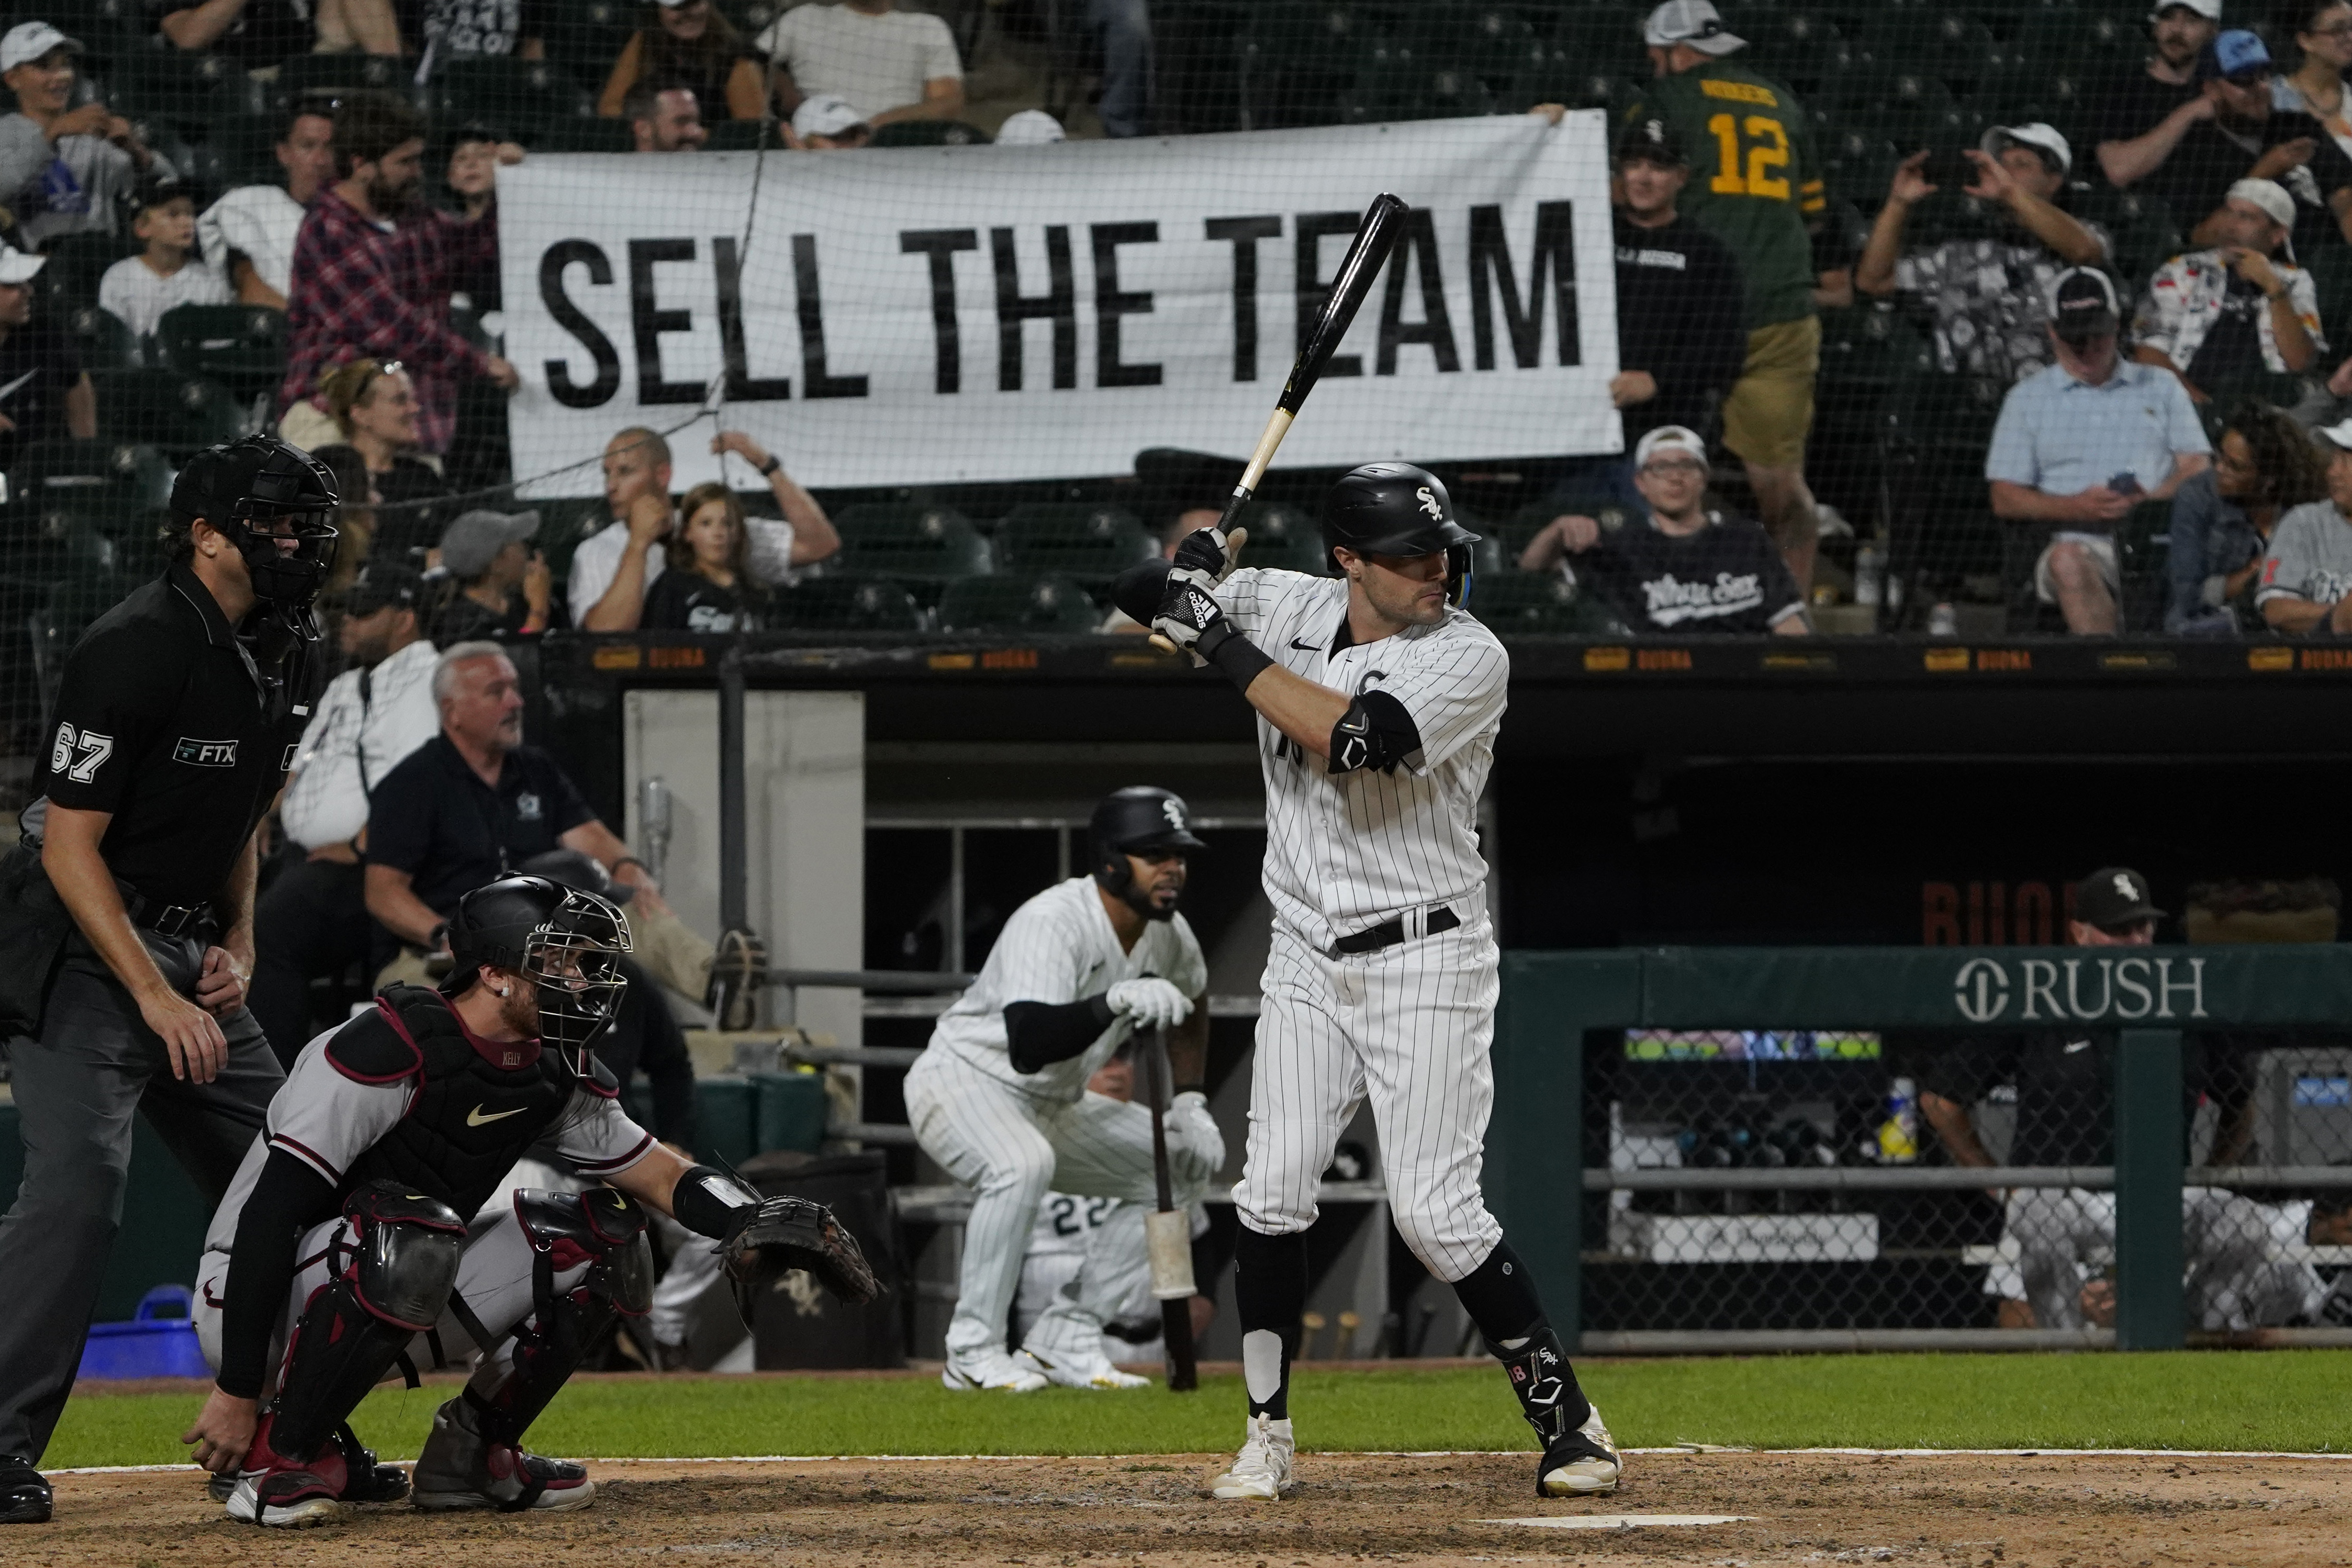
279, 507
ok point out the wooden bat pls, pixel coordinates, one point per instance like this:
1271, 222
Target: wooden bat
1375, 238
1168, 1232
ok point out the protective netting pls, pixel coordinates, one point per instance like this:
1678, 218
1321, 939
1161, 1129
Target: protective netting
1764, 1109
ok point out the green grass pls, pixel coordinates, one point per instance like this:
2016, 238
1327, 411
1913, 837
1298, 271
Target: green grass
2276, 1400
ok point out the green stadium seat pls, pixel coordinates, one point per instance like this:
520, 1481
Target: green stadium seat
1519, 603
918, 543
243, 347
1079, 540
519, 97
1017, 602
593, 134
848, 602
910, 133
181, 414
1282, 537
103, 340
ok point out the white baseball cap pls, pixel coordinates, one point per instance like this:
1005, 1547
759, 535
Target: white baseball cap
29, 41
2039, 136
2267, 194
18, 267
825, 114
2209, 9
1693, 22
1030, 128
2336, 435
1668, 437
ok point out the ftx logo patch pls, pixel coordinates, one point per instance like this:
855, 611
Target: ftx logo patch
205, 754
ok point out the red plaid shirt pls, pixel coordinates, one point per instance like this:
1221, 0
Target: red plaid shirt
360, 290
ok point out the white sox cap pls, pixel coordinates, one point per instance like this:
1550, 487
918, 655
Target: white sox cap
1030, 128
2044, 138
17, 267
2209, 9
825, 114
2269, 196
1670, 438
31, 40
2336, 435
1693, 22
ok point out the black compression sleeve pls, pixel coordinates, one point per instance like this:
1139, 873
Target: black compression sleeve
695, 1204
287, 1199
1039, 1033
1137, 589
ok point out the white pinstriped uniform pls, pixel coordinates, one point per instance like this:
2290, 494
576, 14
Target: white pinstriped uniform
1408, 1026
1013, 1136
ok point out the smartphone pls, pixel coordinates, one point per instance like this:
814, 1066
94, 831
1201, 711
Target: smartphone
2125, 484
1946, 170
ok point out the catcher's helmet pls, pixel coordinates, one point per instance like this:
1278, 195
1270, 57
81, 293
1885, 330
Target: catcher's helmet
263, 493
567, 943
1396, 509
1139, 819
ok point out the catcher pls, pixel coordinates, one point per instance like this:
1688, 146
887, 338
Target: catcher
339, 1254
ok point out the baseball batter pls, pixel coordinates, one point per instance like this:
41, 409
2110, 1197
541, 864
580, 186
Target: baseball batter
1000, 1097
1377, 700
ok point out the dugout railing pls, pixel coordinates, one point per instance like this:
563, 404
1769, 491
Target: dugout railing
1855, 1243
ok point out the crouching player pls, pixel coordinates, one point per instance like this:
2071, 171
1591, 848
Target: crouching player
339, 1254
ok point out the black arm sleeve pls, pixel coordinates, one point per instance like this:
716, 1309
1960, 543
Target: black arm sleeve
288, 1198
662, 1056
1137, 589
1039, 1033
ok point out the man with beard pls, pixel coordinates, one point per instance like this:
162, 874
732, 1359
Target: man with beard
372, 272
1001, 1098
1987, 294
2145, 113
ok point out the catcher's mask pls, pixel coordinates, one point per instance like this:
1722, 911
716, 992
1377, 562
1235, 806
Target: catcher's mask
1137, 820
568, 943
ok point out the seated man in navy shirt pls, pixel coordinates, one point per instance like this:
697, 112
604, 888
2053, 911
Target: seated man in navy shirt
475, 803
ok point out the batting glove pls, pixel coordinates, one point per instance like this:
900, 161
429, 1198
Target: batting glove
1192, 1128
1189, 614
1207, 549
1152, 1004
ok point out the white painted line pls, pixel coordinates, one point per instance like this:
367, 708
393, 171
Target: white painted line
1617, 1521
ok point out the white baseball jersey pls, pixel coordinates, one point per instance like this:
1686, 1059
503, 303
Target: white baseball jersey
367, 722
1349, 851
1059, 947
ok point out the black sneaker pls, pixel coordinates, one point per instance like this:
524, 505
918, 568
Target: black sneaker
365, 1480
24, 1497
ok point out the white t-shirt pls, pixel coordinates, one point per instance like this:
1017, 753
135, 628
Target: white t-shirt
1060, 947
351, 743
258, 223
1348, 851
598, 561
875, 62
137, 296
327, 1120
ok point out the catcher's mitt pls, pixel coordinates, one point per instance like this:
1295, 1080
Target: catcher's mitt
784, 1234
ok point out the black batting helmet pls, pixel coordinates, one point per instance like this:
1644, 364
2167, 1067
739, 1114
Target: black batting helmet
567, 943
1141, 819
1396, 509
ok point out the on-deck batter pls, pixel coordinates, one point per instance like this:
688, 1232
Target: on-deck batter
1377, 699
999, 1099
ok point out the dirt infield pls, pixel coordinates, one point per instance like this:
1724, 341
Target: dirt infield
2046, 1512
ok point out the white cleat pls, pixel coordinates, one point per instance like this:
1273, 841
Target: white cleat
1583, 1464
990, 1369
1074, 1371
1262, 1470
294, 1500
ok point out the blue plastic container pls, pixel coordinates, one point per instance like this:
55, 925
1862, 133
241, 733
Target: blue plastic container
160, 1340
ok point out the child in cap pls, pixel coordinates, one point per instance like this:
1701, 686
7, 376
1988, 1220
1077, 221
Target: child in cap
139, 289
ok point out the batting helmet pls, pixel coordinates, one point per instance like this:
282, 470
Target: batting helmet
1396, 509
1141, 819
567, 943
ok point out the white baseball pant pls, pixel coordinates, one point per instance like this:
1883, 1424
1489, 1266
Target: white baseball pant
1408, 1027
1011, 1150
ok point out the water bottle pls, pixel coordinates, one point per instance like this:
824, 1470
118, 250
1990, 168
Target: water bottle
1869, 574
1899, 1135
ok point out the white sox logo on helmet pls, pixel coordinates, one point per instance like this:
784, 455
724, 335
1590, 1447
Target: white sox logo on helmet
2124, 886
1173, 810
1429, 504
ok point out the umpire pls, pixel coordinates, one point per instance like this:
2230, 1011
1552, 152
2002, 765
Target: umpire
126, 912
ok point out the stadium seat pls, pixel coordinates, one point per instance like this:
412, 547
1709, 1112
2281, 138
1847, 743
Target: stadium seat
921, 543
848, 602
177, 88
77, 262
103, 340
915, 133
1493, 42
520, 97
586, 38
1298, 57
239, 150
1089, 542
1516, 603
592, 134
181, 414
64, 481
1282, 537
1404, 88
1029, 602
326, 75
243, 347
2331, 276
65, 611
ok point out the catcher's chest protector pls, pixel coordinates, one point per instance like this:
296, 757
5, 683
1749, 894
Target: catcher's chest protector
479, 1106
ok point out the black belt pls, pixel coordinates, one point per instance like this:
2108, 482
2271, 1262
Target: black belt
165, 920
1387, 934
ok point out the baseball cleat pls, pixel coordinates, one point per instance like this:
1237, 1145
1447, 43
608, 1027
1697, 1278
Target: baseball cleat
284, 1493
461, 1469
1261, 1472
1075, 1372
1582, 1464
990, 1369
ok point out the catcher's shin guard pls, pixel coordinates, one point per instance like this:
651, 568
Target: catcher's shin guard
392, 1286
603, 1229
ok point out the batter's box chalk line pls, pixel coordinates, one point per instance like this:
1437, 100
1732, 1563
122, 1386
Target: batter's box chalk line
1618, 1520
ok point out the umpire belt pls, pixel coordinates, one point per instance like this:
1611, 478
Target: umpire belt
165, 920
1387, 934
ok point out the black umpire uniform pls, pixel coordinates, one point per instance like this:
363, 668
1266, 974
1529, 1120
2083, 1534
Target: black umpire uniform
179, 726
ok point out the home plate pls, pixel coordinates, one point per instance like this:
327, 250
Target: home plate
1618, 1520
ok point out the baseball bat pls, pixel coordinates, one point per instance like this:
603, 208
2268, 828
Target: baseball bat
1168, 1233
1376, 236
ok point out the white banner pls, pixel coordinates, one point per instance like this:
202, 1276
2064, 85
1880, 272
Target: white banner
973, 313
